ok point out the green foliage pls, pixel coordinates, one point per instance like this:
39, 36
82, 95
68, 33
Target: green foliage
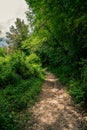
14, 99
6, 74
78, 88
33, 59
58, 40
34, 65
76, 91
84, 79
17, 67
63, 27
20, 83
17, 34
7, 123
2, 52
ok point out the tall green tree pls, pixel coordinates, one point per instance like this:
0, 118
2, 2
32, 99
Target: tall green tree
62, 24
65, 23
18, 33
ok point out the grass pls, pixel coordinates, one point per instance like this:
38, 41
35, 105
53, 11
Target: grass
15, 100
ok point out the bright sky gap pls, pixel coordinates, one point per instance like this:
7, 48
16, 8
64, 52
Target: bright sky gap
9, 11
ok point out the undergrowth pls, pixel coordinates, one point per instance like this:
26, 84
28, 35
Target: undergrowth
16, 99
21, 78
76, 85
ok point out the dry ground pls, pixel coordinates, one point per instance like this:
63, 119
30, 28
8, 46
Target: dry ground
55, 109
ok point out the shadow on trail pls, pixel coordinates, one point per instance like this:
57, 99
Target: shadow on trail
67, 122
56, 110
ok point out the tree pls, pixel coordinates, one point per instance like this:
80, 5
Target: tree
63, 25
18, 33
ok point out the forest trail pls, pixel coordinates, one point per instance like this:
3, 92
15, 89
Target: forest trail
55, 109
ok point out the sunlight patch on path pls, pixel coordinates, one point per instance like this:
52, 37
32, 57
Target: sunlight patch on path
56, 110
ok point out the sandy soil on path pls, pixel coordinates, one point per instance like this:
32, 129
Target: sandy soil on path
55, 109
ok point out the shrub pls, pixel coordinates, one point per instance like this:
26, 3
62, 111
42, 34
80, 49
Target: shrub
7, 75
75, 90
34, 65
14, 100
84, 80
33, 59
18, 65
2, 52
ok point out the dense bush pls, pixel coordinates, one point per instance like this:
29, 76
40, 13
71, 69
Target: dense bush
14, 99
34, 65
17, 67
2, 52
18, 78
21, 79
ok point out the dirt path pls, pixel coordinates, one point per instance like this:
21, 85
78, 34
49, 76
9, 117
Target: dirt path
56, 110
